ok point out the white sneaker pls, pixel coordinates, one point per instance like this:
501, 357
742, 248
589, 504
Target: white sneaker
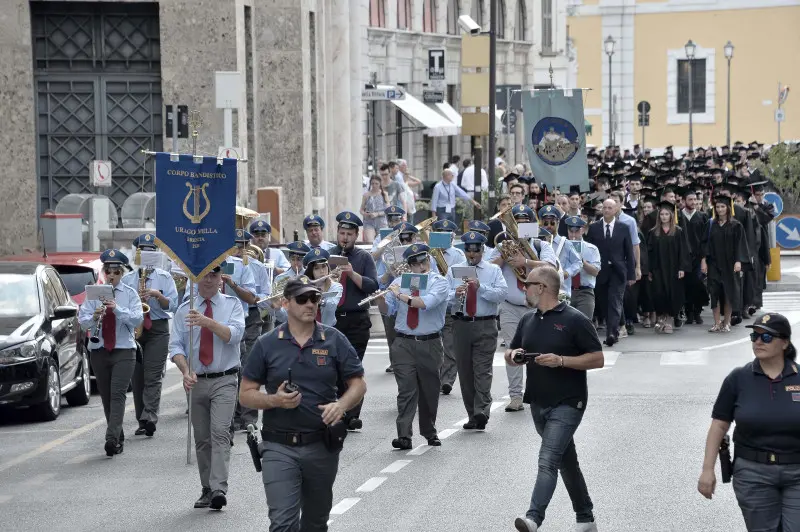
515, 405
623, 333
524, 524
586, 527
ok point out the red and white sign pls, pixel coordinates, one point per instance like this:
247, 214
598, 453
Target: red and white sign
100, 173
230, 153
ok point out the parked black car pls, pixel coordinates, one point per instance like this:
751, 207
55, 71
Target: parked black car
42, 353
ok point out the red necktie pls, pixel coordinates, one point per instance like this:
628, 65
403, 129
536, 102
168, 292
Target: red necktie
576, 281
319, 314
148, 321
343, 282
109, 330
472, 299
207, 339
412, 317
521, 285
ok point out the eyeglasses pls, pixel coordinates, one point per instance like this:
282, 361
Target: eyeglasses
765, 337
314, 297
112, 271
548, 222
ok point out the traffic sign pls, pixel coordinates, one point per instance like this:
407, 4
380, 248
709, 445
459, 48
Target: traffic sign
394, 93
788, 232
436, 64
644, 120
643, 107
225, 152
777, 202
429, 96
100, 173
780, 115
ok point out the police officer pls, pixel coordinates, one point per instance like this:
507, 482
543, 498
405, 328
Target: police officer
452, 256
296, 251
763, 399
582, 283
475, 328
568, 258
315, 232
113, 355
417, 348
161, 295
358, 279
299, 467
210, 367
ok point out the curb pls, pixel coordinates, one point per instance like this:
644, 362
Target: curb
782, 287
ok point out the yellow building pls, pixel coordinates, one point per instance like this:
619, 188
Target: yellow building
650, 63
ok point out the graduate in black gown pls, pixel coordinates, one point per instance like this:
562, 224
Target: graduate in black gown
668, 252
725, 251
645, 293
694, 223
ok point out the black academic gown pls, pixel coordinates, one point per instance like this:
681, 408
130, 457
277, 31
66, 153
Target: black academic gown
695, 229
749, 283
725, 246
668, 254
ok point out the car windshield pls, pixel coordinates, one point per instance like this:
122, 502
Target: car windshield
76, 278
19, 296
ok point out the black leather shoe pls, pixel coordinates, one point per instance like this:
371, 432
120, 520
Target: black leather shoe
751, 310
435, 441
404, 444
480, 421
610, 341
218, 500
698, 319
470, 425
689, 318
205, 499
113, 448
354, 424
447, 388
630, 329
389, 369
141, 430
736, 319
149, 428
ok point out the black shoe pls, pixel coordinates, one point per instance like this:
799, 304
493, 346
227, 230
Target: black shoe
610, 341
389, 369
736, 319
354, 424
205, 499
435, 441
677, 322
122, 436
698, 319
629, 329
140, 431
689, 318
404, 444
447, 388
149, 428
218, 500
481, 420
470, 425
751, 310
113, 448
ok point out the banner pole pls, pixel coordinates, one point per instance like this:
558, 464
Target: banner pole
189, 363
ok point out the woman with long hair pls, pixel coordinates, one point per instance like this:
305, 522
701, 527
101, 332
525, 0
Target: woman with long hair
668, 260
373, 204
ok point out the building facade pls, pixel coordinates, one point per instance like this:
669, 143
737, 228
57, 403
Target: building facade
650, 64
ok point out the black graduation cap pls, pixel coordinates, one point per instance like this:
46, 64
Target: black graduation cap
667, 205
650, 199
759, 186
510, 176
745, 191
684, 191
592, 200
634, 176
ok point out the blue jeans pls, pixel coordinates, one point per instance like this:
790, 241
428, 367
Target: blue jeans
556, 425
442, 215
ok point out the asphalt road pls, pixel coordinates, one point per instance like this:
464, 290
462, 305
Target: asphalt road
640, 446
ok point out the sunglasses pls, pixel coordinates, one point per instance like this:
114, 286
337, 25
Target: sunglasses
548, 222
765, 337
314, 297
112, 271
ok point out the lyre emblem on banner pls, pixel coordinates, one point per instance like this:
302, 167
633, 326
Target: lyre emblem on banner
197, 217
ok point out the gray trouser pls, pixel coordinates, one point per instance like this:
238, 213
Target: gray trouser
113, 371
388, 328
213, 401
252, 330
298, 479
509, 319
475, 343
768, 495
582, 299
416, 370
149, 374
448, 369
267, 323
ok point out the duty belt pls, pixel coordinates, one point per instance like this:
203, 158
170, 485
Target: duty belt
232, 371
293, 439
766, 457
419, 338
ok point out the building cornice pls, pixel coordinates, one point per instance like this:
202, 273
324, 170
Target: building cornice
618, 7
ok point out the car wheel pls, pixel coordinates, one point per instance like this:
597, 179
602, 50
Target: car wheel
80, 395
51, 407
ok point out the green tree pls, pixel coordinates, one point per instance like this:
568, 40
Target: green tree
783, 170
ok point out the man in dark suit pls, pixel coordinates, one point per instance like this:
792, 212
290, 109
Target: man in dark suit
619, 266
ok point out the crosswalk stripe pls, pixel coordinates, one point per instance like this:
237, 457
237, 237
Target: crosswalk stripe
684, 358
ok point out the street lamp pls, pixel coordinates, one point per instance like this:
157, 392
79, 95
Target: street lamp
690, 48
729, 55
609, 46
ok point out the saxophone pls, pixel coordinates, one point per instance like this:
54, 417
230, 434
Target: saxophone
137, 332
437, 254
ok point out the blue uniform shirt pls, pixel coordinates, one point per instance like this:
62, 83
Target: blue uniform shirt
630, 222
277, 257
228, 311
243, 277
261, 278
491, 292
128, 313
570, 262
590, 254
431, 318
164, 283
516, 295
324, 245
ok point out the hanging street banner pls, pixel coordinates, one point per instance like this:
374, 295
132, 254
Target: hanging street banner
555, 137
195, 210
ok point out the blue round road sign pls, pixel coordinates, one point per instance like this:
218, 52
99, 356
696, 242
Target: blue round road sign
788, 232
775, 199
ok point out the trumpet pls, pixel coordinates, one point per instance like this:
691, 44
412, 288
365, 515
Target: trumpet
95, 337
373, 296
462, 298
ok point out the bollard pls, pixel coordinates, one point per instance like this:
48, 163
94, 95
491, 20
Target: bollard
774, 271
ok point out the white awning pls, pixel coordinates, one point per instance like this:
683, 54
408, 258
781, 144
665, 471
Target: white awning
447, 110
437, 125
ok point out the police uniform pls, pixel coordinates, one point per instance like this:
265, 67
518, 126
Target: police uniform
417, 351
352, 319
274, 259
475, 332
766, 437
315, 220
296, 250
452, 256
154, 340
113, 355
298, 469
582, 283
213, 397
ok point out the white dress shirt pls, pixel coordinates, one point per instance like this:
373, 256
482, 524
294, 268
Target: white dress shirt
128, 312
492, 289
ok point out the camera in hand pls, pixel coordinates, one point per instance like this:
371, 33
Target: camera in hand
524, 358
290, 386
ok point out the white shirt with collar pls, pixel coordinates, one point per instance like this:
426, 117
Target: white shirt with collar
608, 224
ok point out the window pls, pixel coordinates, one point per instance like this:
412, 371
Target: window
477, 12
377, 13
404, 14
429, 16
519, 26
698, 86
453, 12
61, 293
547, 26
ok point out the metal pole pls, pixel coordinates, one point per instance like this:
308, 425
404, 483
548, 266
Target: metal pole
508, 128
373, 106
175, 148
643, 128
779, 107
728, 135
691, 103
492, 103
189, 357
477, 164
610, 105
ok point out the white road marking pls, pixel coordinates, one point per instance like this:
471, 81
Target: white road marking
5, 498
496, 405
371, 484
499, 360
344, 505
422, 449
610, 358
395, 466
460, 422
32, 431
81, 458
684, 358
39, 479
446, 433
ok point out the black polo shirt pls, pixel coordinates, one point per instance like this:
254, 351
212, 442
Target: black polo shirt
316, 366
563, 331
766, 411
364, 265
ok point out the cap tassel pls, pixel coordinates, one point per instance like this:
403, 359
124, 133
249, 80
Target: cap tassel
675, 208
733, 211
138, 258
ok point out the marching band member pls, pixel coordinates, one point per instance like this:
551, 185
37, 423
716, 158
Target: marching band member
161, 295
358, 279
477, 226
475, 304
317, 267
394, 216
568, 258
452, 256
417, 352
211, 374
296, 251
113, 356
514, 306
315, 227
582, 283
261, 234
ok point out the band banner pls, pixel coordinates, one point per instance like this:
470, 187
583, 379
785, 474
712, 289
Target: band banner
555, 138
195, 210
